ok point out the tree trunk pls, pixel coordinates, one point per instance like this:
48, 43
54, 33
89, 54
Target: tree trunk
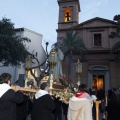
69, 65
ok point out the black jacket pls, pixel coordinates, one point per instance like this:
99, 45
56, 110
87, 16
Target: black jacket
42, 108
113, 111
24, 109
8, 104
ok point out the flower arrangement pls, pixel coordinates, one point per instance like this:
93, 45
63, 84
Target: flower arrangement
66, 93
66, 82
63, 96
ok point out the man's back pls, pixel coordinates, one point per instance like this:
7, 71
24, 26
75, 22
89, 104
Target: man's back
79, 108
42, 108
8, 104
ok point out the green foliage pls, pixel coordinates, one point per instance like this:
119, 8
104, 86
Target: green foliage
116, 35
72, 42
12, 48
64, 82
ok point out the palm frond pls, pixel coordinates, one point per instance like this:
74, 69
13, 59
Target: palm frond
72, 42
115, 47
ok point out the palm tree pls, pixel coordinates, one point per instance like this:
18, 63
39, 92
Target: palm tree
116, 35
72, 43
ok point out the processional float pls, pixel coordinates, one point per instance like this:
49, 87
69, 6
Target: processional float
57, 89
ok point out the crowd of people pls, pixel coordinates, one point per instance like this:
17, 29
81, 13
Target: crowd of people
14, 105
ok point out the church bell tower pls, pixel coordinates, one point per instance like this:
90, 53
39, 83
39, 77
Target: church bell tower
68, 13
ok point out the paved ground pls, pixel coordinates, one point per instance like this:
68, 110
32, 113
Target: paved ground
63, 117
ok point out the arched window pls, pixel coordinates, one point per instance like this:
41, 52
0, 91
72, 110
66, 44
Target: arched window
67, 15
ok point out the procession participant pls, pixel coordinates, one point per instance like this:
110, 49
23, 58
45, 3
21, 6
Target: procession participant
8, 98
58, 109
80, 107
113, 107
43, 104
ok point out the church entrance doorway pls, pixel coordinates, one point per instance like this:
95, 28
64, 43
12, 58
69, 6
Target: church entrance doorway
98, 77
98, 82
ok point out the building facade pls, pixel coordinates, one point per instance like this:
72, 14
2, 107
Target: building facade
18, 73
100, 68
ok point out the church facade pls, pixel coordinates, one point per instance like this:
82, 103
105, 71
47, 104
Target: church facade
100, 68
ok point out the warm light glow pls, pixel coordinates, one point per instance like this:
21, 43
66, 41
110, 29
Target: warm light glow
67, 15
35, 72
98, 82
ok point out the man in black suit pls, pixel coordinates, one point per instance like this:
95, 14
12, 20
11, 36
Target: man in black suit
8, 98
43, 104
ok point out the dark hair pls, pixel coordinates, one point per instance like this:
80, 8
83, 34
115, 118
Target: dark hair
83, 87
43, 85
4, 78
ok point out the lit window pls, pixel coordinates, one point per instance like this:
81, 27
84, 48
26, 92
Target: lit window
67, 15
97, 40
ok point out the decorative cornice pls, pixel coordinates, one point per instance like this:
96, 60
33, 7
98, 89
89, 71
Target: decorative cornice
92, 20
64, 1
69, 22
95, 51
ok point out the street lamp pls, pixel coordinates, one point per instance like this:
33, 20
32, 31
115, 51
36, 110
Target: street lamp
52, 59
28, 65
78, 70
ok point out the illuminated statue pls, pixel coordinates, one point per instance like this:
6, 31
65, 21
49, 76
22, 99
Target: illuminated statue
57, 71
